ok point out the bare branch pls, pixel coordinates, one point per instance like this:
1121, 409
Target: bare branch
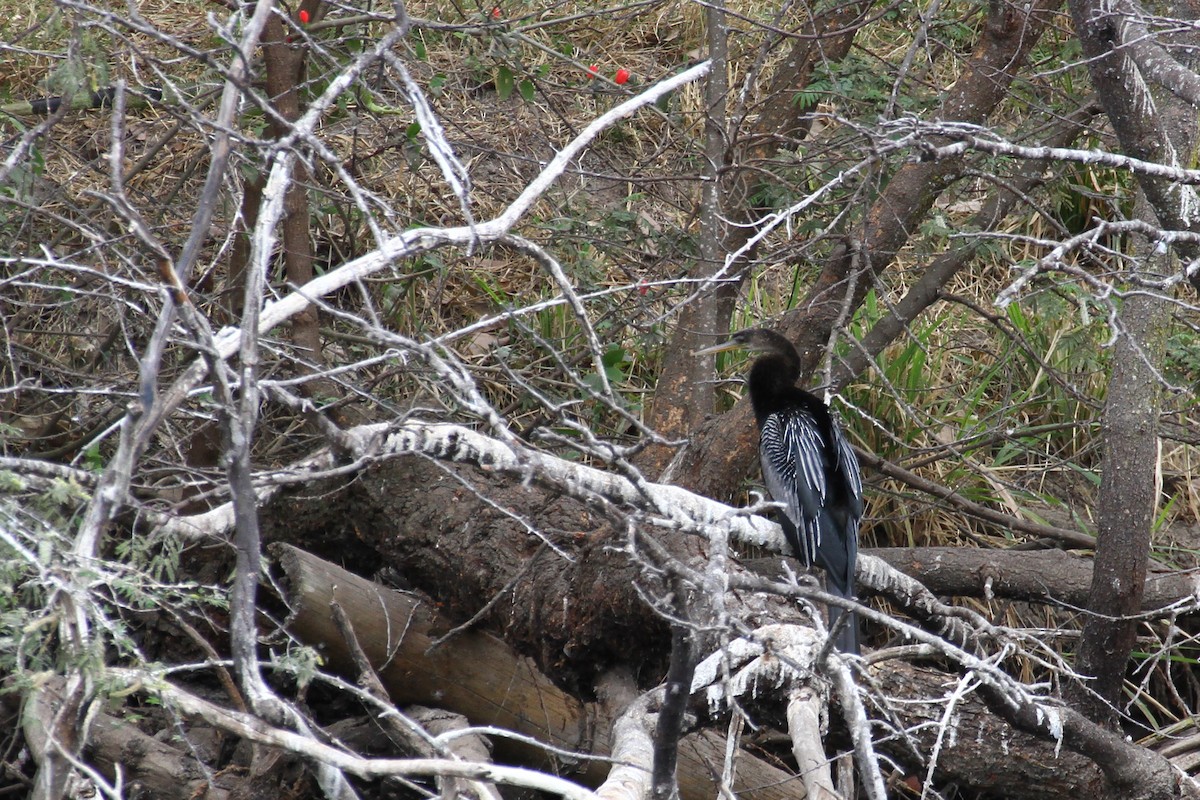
256, 730
981, 140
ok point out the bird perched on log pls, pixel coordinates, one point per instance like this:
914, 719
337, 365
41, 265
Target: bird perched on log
807, 465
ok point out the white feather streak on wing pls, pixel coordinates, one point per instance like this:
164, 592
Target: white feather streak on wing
848, 464
794, 472
779, 475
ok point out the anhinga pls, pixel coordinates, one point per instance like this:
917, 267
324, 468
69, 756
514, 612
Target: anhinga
807, 465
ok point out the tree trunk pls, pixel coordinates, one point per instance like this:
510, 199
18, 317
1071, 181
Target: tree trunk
684, 394
721, 453
1130, 487
285, 62
1128, 495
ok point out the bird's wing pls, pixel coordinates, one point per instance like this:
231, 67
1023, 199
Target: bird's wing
843, 518
793, 466
847, 464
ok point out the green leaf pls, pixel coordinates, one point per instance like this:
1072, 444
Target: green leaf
504, 82
613, 356
93, 458
593, 382
527, 90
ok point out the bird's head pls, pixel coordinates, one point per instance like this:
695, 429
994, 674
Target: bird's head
754, 340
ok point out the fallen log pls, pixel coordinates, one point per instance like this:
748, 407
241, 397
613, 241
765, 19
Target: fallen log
477, 675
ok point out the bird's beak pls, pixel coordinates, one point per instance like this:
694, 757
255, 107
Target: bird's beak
732, 344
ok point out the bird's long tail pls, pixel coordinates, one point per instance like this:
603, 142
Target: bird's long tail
846, 632
836, 555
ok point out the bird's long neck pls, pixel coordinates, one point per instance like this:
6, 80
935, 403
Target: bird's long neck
772, 382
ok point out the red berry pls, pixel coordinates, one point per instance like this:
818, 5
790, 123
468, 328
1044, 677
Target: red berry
304, 17
593, 71
496, 12
643, 287
622, 75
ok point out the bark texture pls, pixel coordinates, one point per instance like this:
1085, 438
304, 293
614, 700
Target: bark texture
531, 551
1128, 496
974, 746
149, 767
1052, 576
286, 61
684, 394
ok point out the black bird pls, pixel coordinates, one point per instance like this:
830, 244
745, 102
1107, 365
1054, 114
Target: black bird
807, 465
